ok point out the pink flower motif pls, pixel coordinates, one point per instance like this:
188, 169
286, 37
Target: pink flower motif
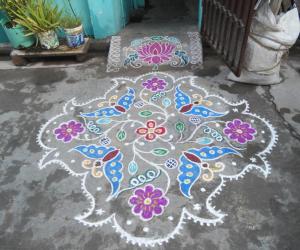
239, 131
155, 84
148, 202
67, 131
156, 52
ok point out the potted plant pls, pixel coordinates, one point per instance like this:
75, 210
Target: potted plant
14, 31
73, 31
41, 17
73, 28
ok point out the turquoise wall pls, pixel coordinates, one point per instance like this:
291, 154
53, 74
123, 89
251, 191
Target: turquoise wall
102, 18
108, 18
138, 3
200, 12
3, 37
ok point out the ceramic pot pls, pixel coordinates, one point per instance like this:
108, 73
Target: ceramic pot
17, 36
75, 37
48, 39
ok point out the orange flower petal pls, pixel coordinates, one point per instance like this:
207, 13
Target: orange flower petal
142, 131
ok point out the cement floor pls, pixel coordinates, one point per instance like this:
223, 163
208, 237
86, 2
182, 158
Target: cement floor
37, 207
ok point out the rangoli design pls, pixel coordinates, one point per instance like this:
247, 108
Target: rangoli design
155, 51
154, 152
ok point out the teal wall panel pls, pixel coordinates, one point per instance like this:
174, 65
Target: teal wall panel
103, 18
200, 15
107, 17
3, 37
139, 3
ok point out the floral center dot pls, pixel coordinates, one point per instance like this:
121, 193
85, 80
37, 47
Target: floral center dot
151, 130
69, 130
147, 201
239, 131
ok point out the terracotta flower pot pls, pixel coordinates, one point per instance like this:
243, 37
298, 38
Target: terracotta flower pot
48, 39
75, 37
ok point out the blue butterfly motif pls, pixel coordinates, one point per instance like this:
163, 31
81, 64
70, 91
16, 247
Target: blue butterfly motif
110, 158
189, 173
122, 105
191, 162
185, 105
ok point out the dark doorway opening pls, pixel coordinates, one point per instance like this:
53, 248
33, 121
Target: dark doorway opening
162, 12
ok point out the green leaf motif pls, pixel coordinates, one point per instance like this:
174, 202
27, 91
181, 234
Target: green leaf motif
180, 127
145, 113
160, 151
121, 135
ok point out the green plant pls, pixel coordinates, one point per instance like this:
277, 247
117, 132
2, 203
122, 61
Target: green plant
38, 16
10, 7
69, 21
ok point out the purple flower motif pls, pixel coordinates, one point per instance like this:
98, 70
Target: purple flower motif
67, 131
239, 131
148, 202
155, 84
156, 52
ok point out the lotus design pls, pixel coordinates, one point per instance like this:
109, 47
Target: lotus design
156, 52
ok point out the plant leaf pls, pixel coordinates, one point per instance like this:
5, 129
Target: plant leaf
180, 127
145, 113
121, 135
160, 151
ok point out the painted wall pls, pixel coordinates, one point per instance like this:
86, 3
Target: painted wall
101, 18
3, 37
139, 3
107, 17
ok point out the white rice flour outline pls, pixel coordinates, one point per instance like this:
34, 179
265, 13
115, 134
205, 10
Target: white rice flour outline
185, 215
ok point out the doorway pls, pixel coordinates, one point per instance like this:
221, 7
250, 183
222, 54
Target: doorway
178, 13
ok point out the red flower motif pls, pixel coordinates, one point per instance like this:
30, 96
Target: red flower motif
151, 131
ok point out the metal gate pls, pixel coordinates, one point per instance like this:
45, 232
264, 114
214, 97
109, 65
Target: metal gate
226, 26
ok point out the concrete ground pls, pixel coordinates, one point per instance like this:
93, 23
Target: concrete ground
37, 208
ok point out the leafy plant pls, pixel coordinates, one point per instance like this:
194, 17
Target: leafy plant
10, 7
70, 21
38, 16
